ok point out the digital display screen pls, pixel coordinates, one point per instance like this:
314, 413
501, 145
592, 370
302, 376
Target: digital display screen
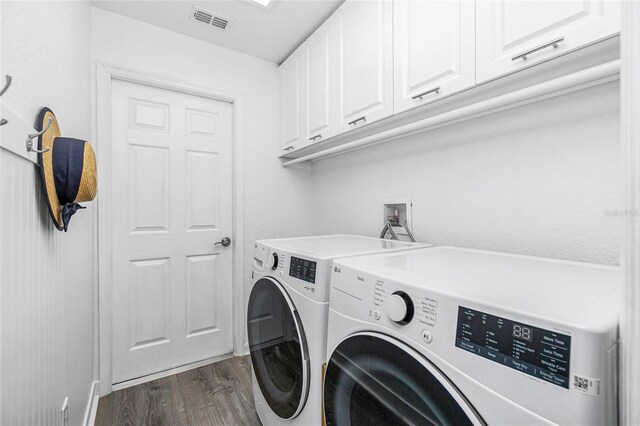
303, 269
522, 332
535, 351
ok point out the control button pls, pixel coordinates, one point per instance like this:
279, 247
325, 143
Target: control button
427, 336
272, 261
376, 314
400, 307
281, 273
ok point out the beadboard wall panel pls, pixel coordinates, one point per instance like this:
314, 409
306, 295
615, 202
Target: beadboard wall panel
34, 271
46, 276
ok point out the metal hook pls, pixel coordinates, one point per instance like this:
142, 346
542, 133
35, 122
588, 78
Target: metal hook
32, 136
6, 86
3, 121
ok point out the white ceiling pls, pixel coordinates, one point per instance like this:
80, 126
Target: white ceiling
270, 33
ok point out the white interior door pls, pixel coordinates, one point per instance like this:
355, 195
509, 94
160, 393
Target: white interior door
172, 294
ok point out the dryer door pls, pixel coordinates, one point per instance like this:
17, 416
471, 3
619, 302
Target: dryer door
278, 348
372, 379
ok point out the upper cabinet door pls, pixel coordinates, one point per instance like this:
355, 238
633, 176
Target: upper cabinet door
365, 62
514, 34
434, 50
292, 128
319, 69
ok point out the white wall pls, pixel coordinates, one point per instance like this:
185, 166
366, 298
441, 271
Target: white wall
534, 180
46, 276
276, 200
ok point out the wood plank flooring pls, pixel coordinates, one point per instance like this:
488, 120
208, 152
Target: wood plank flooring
216, 394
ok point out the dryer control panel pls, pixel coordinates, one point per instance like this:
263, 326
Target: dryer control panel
302, 272
535, 351
303, 269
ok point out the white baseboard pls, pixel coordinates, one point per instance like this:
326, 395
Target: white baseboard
244, 350
161, 374
92, 405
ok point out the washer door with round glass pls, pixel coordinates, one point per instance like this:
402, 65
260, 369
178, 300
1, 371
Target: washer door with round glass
372, 379
278, 348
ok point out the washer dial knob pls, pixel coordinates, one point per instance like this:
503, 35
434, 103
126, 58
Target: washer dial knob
400, 307
272, 261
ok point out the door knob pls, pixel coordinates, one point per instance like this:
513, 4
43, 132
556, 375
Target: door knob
226, 242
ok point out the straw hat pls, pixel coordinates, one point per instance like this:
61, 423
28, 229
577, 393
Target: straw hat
68, 171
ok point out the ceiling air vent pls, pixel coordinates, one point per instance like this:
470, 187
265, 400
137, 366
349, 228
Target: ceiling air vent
211, 19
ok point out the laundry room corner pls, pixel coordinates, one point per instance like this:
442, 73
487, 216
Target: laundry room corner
280, 207
319, 212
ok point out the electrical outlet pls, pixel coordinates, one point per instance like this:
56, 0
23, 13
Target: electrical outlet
64, 412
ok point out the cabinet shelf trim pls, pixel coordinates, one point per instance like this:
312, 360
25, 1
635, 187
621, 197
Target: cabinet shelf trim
569, 83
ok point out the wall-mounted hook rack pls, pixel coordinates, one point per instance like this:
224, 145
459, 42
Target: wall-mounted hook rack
32, 136
6, 85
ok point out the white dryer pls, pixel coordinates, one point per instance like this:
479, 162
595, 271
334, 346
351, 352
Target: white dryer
450, 336
287, 321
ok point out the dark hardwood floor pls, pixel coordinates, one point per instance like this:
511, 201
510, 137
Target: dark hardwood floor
216, 394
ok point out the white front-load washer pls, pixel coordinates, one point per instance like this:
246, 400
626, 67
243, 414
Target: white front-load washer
449, 336
287, 320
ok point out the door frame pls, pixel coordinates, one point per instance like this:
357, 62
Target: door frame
630, 250
105, 74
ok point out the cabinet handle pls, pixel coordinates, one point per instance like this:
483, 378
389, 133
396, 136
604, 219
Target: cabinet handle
422, 95
354, 122
553, 43
316, 137
289, 148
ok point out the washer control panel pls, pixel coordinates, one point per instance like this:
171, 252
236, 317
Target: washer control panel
403, 308
304, 273
541, 353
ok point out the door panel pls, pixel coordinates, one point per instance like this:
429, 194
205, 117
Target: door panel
365, 62
434, 50
201, 316
172, 202
150, 176
149, 307
507, 29
201, 207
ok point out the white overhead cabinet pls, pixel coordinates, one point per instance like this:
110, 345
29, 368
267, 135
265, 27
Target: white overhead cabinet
375, 58
365, 62
292, 128
515, 34
320, 77
434, 50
